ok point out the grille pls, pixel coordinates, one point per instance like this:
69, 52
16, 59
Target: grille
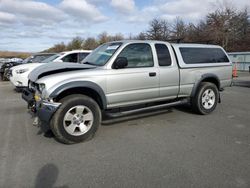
33, 86
10, 73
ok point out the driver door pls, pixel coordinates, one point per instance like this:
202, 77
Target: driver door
136, 83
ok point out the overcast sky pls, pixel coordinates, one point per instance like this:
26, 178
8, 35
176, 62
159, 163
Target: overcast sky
35, 25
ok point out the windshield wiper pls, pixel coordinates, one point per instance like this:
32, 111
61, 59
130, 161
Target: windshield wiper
89, 63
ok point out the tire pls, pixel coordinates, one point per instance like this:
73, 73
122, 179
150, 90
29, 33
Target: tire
205, 99
76, 120
3, 77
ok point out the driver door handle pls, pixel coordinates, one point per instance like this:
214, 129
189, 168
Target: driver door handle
151, 74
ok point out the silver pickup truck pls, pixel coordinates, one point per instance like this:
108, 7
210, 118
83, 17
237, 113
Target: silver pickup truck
126, 77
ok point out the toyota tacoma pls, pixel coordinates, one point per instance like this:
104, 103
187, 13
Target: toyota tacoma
126, 77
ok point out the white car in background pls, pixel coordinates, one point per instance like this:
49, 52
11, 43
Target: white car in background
19, 74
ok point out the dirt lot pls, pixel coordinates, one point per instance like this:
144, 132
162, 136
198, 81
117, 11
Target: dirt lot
174, 148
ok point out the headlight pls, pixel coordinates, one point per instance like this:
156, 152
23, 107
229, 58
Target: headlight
29, 85
21, 71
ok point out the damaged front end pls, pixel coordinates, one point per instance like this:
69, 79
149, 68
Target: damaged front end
41, 108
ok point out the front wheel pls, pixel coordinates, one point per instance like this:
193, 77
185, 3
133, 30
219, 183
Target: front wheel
1, 76
206, 98
76, 120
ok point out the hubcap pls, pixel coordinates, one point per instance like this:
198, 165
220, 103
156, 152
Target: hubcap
208, 99
78, 120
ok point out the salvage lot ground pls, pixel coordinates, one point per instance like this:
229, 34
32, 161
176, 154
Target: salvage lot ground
174, 148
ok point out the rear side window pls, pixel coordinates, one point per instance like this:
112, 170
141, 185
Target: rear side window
82, 56
203, 55
70, 58
138, 55
163, 55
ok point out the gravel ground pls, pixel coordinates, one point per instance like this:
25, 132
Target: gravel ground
172, 148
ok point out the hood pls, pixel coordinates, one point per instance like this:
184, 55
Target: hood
26, 66
54, 68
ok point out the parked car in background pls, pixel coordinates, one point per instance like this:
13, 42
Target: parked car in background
74, 56
7, 60
19, 74
126, 77
4, 70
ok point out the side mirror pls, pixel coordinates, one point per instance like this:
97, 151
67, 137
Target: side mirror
120, 63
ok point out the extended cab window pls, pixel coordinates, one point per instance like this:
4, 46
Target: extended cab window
163, 55
203, 55
70, 58
138, 55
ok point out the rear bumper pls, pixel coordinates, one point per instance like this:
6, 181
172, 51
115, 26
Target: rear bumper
43, 109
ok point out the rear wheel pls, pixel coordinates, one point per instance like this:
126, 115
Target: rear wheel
206, 98
76, 120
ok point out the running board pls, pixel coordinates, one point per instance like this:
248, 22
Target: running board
156, 107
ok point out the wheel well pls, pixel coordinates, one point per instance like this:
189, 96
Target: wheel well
212, 80
82, 90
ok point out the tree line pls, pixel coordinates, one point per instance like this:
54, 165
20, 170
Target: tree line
89, 43
227, 27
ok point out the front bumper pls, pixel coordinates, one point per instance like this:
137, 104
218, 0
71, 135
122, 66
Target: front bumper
17, 84
28, 96
18, 80
44, 110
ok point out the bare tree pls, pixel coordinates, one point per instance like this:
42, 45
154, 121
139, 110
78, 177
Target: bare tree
75, 44
166, 31
226, 26
154, 32
103, 37
116, 37
141, 36
90, 44
179, 29
60, 47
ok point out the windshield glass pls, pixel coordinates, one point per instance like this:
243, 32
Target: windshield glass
37, 58
40, 57
51, 58
27, 60
102, 54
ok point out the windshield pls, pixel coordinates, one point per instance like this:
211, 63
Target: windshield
51, 58
41, 57
27, 60
37, 58
102, 54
